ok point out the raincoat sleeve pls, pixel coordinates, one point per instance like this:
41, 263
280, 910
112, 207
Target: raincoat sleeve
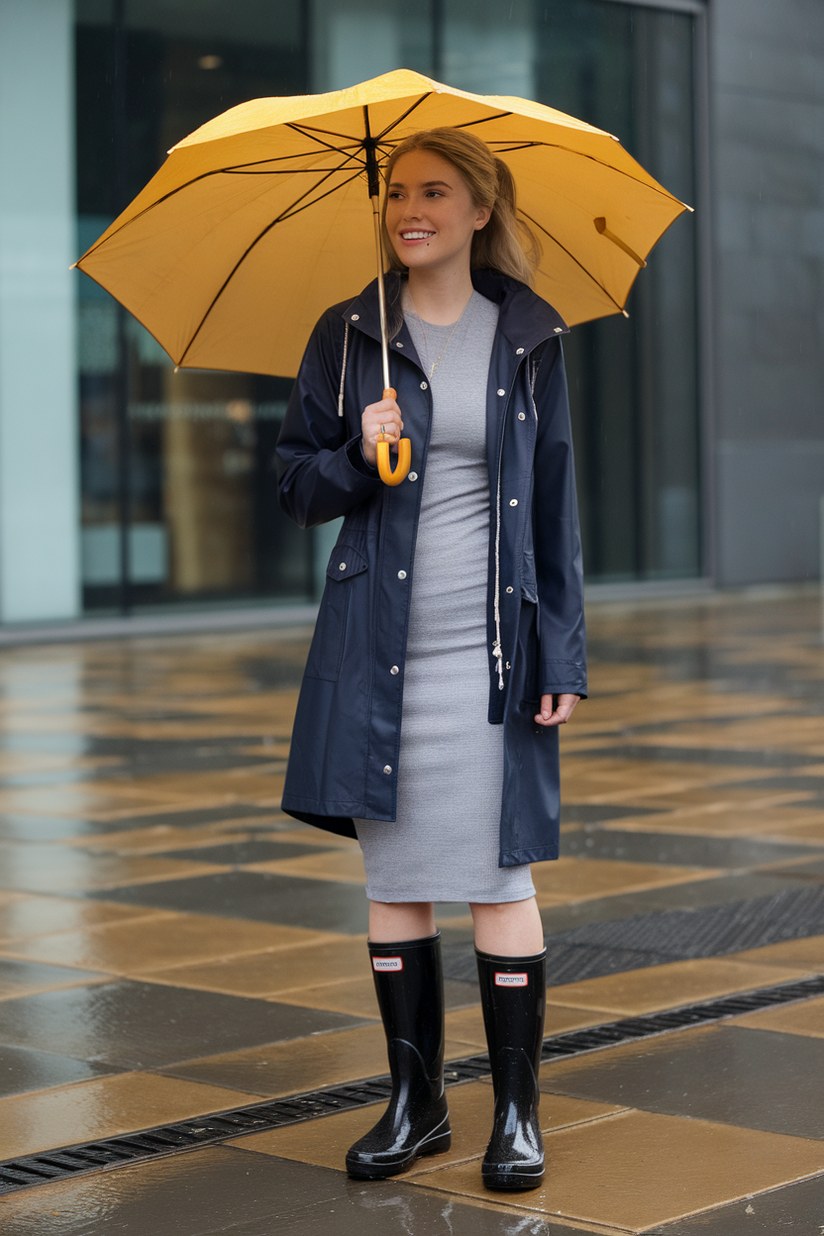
558, 560
322, 473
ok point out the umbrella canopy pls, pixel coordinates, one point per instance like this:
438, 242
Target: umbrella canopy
261, 219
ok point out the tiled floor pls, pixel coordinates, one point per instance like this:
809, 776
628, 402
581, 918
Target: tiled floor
172, 945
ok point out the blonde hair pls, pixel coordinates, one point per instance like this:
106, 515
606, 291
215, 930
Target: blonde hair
506, 243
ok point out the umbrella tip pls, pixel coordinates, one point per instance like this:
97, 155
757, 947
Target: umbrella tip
626, 315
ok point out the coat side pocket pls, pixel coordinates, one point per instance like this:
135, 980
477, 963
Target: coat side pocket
326, 650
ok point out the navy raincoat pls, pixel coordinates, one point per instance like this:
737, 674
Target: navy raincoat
346, 738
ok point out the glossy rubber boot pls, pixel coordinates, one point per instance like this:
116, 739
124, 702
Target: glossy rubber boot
513, 997
409, 985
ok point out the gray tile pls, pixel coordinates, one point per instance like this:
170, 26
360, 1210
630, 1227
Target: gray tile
18, 977
808, 782
45, 828
691, 895
144, 1026
599, 813
241, 852
685, 850
757, 1079
256, 895
813, 871
798, 1208
23, 1069
57, 828
791, 914
566, 963
193, 816
226, 1189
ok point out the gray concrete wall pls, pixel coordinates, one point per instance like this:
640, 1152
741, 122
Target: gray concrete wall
767, 98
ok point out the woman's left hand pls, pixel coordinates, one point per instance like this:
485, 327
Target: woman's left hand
556, 709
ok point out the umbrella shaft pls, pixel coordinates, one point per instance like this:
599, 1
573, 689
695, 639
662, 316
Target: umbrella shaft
376, 218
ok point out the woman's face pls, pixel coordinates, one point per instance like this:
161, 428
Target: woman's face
430, 215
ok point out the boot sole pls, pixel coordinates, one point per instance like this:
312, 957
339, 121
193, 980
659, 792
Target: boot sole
381, 1171
502, 1182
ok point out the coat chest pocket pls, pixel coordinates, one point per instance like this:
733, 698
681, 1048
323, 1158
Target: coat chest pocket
330, 629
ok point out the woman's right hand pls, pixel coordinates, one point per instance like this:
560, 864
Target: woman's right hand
383, 417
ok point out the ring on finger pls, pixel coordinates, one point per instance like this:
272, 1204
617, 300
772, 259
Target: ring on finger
383, 429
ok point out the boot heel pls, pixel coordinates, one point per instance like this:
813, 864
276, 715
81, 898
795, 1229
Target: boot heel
437, 1145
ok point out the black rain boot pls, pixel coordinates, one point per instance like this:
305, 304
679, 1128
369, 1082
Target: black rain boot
409, 985
513, 997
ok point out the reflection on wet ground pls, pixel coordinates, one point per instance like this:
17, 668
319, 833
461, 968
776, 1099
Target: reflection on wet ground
172, 945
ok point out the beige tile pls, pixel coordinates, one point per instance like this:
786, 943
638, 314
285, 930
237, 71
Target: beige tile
325, 1142
24, 917
784, 822
579, 879
468, 1024
354, 996
316, 956
261, 784
807, 953
634, 1170
669, 986
85, 801
160, 837
42, 868
150, 946
105, 1107
804, 1017
334, 864
318, 1060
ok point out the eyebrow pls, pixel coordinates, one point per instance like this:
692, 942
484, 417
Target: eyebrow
427, 184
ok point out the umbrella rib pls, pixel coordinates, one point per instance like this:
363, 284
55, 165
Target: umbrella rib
308, 130
289, 213
482, 120
357, 146
286, 214
580, 154
217, 171
569, 254
399, 119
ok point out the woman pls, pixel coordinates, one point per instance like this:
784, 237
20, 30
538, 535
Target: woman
450, 640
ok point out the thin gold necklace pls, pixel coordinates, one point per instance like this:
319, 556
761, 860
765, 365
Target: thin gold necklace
445, 346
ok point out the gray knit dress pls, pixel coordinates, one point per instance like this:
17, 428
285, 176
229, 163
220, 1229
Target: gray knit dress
445, 841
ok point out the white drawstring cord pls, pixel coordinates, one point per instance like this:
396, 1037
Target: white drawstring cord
343, 367
497, 652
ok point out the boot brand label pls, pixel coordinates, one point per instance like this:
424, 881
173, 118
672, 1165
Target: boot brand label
387, 963
511, 980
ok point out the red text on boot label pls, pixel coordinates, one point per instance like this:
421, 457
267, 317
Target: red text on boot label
511, 980
387, 963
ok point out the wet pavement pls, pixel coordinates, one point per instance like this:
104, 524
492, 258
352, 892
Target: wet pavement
173, 946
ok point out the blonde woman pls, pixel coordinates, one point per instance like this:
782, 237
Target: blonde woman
450, 640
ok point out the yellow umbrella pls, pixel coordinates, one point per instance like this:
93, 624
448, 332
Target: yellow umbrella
260, 219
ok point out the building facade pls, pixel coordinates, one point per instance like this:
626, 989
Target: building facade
698, 424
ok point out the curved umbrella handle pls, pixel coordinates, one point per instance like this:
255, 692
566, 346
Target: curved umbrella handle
404, 454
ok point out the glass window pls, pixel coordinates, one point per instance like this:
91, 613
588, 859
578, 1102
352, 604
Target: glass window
634, 382
179, 498
182, 461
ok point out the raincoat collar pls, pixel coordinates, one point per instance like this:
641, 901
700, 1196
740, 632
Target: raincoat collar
525, 319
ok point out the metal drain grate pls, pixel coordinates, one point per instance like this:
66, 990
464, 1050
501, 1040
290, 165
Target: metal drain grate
259, 1117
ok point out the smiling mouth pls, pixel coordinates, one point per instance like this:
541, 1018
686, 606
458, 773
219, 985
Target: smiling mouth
416, 235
